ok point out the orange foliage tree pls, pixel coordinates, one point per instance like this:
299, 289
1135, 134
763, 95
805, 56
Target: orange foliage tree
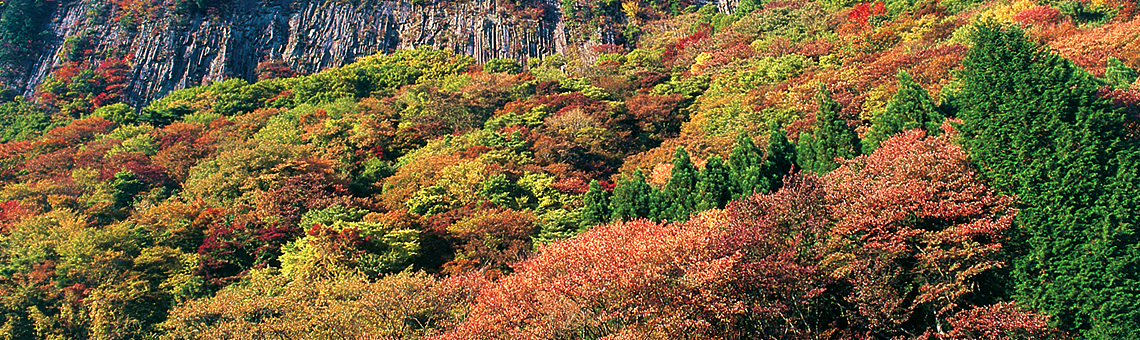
902, 243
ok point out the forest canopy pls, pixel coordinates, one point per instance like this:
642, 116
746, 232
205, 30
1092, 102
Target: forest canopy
791, 169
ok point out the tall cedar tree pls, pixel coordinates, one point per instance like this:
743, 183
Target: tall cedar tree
681, 191
1118, 75
910, 108
633, 198
713, 187
658, 205
1036, 128
832, 138
779, 161
595, 206
744, 166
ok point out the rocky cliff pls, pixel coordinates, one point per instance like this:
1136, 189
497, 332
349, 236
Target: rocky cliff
172, 49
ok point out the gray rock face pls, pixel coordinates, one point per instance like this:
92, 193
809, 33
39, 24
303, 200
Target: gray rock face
171, 51
178, 51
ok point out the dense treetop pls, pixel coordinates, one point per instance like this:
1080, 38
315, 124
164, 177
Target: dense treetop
950, 169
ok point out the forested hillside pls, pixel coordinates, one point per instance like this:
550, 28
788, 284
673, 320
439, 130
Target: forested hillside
951, 169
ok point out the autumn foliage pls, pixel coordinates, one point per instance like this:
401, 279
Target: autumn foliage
684, 170
900, 243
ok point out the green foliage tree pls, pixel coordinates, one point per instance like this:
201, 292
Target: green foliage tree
335, 305
20, 120
558, 224
633, 198
713, 189
126, 185
499, 65
294, 207
780, 160
1035, 128
539, 194
501, 191
224, 98
1118, 75
658, 205
118, 113
748, 6
744, 164
53, 260
910, 108
595, 206
680, 192
832, 138
21, 31
236, 175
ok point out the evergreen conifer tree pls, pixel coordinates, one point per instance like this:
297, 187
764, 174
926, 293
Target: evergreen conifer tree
831, 139
657, 205
910, 108
1036, 129
1118, 75
780, 159
681, 191
595, 206
713, 188
744, 166
633, 198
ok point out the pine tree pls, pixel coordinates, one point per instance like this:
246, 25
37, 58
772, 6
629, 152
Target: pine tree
910, 108
595, 206
633, 198
681, 190
713, 188
832, 138
1036, 129
744, 166
780, 159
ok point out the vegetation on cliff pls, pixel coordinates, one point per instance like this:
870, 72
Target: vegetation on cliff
796, 169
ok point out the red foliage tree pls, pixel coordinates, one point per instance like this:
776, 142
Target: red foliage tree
1039, 15
615, 279
138, 163
297, 194
897, 244
12, 155
1126, 100
722, 275
672, 50
181, 146
235, 242
656, 115
572, 185
57, 164
11, 212
273, 69
491, 238
78, 131
1003, 320
917, 234
861, 13
76, 88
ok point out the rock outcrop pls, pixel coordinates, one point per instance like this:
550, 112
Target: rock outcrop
171, 50
176, 51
